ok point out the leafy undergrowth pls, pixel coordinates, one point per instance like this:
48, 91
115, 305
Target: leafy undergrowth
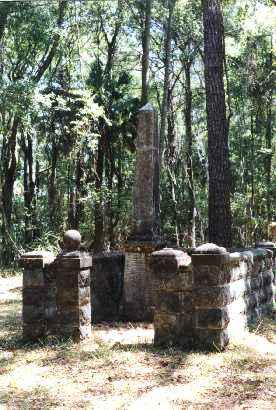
120, 369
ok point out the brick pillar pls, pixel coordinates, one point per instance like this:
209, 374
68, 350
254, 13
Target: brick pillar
73, 295
34, 299
145, 235
212, 295
174, 311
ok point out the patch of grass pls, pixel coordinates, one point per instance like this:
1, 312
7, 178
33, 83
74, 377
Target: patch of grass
119, 368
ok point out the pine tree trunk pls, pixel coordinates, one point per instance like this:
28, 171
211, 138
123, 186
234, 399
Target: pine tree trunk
219, 211
145, 55
189, 154
98, 244
167, 52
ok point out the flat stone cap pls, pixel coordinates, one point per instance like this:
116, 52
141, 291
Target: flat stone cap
169, 252
209, 248
37, 255
264, 244
36, 259
176, 254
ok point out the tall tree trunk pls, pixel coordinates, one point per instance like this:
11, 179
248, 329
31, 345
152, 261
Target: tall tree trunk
80, 189
9, 174
146, 45
52, 190
98, 244
219, 210
268, 140
29, 188
189, 155
167, 51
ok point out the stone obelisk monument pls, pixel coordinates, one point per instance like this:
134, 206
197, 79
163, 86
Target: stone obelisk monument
145, 236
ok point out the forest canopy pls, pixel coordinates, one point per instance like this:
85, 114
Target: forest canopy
73, 75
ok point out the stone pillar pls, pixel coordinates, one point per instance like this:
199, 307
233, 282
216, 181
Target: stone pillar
145, 236
72, 269
174, 309
212, 295
146, 202
34, 293
73, 295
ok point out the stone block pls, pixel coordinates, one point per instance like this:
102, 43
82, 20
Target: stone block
74, 263
212, 275
33, 296
69, 279
216, 296
209, 260
36, 260
212, 318
35, 330
32, 313
166, 263
184, 279
68, 315
165, 329
174, 302
67, 296
211, 339
33, 278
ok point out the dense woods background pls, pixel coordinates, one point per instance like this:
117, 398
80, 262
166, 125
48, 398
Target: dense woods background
73, 75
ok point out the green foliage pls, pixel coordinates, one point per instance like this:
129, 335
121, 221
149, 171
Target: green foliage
87, 102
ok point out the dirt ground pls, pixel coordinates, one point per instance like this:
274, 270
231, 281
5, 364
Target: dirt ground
119, 368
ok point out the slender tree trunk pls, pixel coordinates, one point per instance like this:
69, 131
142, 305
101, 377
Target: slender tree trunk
145, 56
98, 244
189, 155
9, 174
219, 211
29, 188
167, 51
52, 190
268, 140
80, 189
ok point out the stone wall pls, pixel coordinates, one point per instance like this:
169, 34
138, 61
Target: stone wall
211, 299
107, 278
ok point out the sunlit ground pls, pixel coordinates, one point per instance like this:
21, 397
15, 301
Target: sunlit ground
120, 369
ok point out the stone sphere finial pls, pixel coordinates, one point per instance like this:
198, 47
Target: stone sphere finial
71, 240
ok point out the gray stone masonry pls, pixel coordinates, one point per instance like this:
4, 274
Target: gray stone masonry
211, 301
35, 299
